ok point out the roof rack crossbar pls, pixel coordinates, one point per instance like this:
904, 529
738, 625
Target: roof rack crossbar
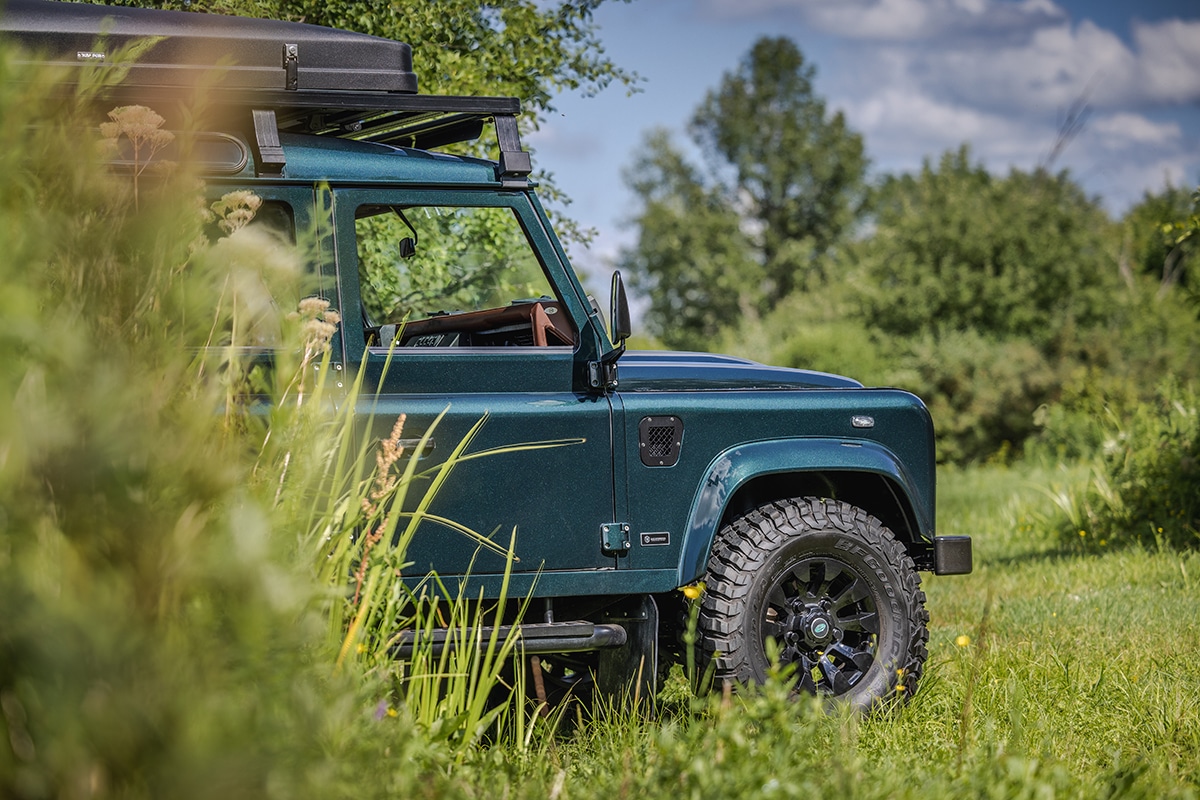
409, 131
423, 121
426, 131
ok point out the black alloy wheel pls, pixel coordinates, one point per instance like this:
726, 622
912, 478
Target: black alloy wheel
819, 586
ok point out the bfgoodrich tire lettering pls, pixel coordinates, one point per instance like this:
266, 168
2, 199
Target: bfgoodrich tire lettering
834, 590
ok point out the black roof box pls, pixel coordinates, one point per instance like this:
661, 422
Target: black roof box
256, 53
276, 77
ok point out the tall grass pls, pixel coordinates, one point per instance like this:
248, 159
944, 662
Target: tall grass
195, 604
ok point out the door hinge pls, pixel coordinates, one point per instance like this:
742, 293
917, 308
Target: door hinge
602, 374
614, 538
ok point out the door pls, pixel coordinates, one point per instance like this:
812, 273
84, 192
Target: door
486, 325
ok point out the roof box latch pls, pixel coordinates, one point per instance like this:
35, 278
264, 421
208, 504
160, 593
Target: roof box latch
291, 66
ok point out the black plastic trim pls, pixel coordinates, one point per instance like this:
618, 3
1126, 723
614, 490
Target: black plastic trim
952, 555
542, 637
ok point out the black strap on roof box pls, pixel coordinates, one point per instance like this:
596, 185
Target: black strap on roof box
272, 76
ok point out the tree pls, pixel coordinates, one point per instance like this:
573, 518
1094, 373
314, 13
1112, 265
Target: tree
799, 171
782, 185
1159, 236
956, 248
691, 257
512, 48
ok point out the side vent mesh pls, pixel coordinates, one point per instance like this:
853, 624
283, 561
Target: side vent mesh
659, 441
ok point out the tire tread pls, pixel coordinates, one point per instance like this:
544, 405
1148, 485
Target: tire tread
742, 548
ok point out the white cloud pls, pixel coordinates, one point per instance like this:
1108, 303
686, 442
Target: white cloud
1119, 155
1169, 60
1053, 69
1002, 54
1124, 129
897, 113
902, 126
1124, 154
902, 20
1122, 182
1063, 63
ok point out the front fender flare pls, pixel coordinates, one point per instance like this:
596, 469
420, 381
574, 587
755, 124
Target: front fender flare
738, 465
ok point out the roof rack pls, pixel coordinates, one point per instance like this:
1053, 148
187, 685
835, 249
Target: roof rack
272, 76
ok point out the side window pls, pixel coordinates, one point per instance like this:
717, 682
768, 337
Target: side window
257, 239
453, 276
276, 217
240, 209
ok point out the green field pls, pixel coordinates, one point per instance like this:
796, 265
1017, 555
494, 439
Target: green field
1078, 680
1052, 673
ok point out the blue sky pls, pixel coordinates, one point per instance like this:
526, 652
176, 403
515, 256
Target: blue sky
915, 77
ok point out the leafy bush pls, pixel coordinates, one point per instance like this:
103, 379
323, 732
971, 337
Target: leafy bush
1108, 370
167, 632
1158, 239
955, 248
818, 331
1146, 486
981, 391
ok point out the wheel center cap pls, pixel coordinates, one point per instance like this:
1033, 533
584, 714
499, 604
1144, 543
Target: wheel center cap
817, 628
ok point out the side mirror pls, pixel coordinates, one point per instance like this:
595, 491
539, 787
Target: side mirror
619, 325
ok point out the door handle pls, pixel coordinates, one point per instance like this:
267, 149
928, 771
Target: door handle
411, 445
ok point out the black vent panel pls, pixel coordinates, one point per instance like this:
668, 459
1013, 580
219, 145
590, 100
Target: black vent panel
659, 441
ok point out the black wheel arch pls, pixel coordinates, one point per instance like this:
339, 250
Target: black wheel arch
876, 494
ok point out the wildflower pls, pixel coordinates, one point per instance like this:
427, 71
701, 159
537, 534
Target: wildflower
693, 591
318, 325
390, 451
143, 127
139, 123
317, 334
963, 640
1083, 533
312, 307
235, 210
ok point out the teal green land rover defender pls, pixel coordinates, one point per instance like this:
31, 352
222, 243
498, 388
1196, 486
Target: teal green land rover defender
802, 501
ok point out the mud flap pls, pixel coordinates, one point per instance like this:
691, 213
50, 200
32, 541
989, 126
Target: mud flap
631, 671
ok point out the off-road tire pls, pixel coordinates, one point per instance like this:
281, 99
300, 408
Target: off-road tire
834, 589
